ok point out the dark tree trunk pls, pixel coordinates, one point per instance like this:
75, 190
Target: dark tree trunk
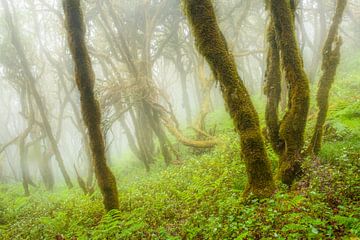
85, 80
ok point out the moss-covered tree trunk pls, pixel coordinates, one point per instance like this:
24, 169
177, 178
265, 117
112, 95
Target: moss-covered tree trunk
212, 45
292, 126
330, 62
85, 80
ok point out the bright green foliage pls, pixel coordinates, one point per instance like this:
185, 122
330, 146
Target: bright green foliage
200, 198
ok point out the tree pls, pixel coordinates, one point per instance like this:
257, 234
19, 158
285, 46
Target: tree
330, 62
292, 126
85, 79
35, 93
212, 45
287, 136
272, 89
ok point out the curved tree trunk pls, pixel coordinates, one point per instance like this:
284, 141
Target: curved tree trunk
212, 44
85, 80
186, 141
330, 62
292, 126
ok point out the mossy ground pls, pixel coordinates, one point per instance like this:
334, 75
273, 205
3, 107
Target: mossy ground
201, 198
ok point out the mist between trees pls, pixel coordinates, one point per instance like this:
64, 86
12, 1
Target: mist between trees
89, 85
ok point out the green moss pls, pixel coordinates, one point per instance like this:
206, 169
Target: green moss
331, 60
85, 78
292, 127
273, 90
212, 45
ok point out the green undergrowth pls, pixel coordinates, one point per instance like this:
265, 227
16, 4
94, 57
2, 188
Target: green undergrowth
201, 196
198, 199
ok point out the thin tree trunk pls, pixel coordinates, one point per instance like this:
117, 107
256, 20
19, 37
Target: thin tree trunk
183, 80
46, 170
273, 90
320, 35
155, 123
85, 80
206, 85
24, 167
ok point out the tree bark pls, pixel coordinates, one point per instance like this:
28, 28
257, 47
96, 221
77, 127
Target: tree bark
212, 45
85, 80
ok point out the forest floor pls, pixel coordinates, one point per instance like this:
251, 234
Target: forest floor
201, 198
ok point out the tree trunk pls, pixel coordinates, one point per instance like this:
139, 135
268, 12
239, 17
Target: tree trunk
206, 84
183, 80
46, 170
292, 126
319, 35
85, 80
212, 45
186, 141
330, 62
155, 123
273, 90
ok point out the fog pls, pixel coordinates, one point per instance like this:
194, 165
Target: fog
152, 36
